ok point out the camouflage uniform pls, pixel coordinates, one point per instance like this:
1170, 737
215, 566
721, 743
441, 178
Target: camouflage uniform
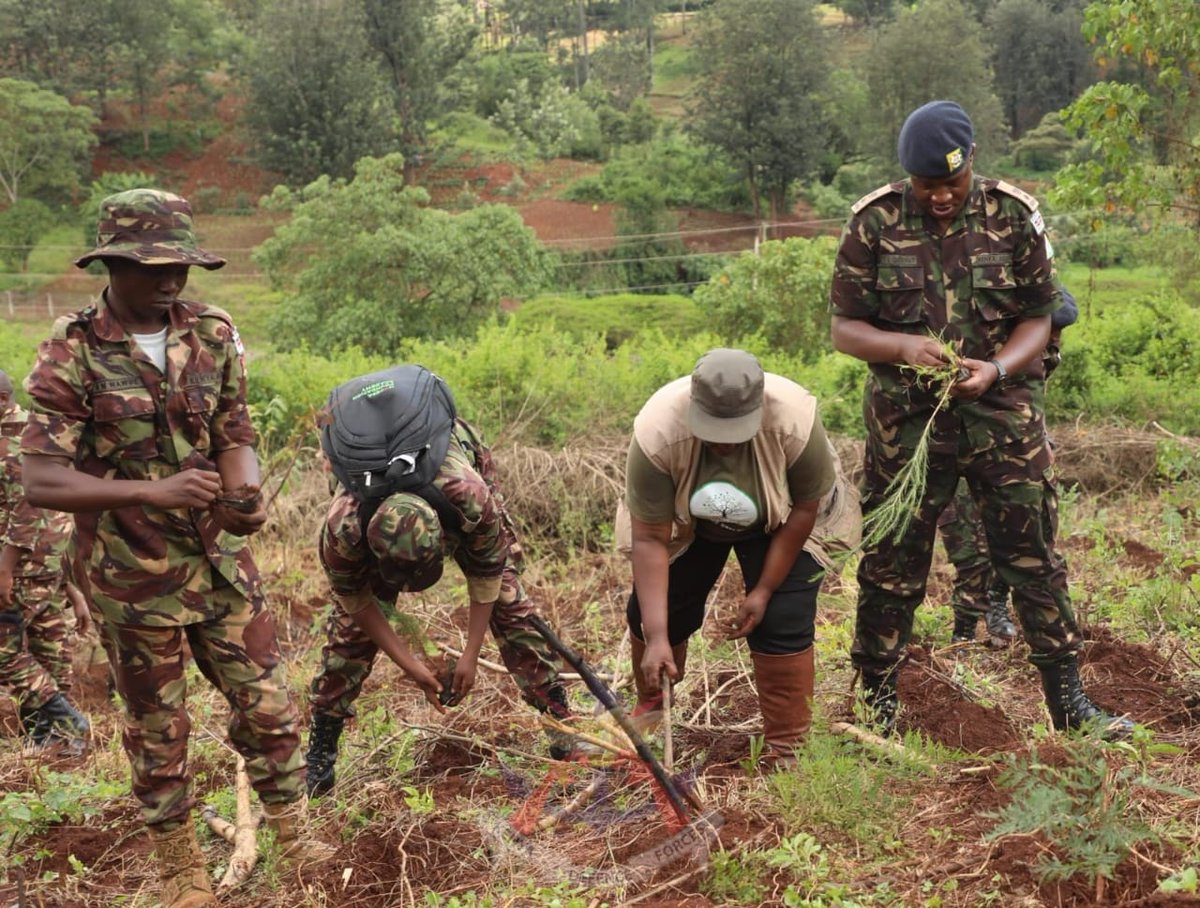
404, 552
35, 652
969, 287
157, 577
976, 585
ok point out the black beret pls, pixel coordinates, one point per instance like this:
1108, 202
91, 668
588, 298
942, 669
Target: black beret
935, 140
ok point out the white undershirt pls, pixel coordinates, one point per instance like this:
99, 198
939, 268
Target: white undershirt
155, 346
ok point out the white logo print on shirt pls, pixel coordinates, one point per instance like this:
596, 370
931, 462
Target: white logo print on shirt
723, 503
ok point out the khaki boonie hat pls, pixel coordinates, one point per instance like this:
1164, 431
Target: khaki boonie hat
151, 227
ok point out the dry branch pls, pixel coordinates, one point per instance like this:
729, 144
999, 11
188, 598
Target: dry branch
866, 737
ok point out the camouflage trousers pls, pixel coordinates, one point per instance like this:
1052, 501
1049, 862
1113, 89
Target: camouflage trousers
1018, 503
35, 649
349, 655
239, 654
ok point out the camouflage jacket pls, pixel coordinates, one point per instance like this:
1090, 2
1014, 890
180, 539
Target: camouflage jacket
41, 535
482, 545
100, 402
970, 286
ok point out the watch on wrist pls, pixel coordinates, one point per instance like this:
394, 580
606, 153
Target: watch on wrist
1001, 372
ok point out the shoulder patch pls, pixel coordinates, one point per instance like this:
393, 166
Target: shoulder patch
874, 195
1019, 194
64, 323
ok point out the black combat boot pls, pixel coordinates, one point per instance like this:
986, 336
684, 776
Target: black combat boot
563, 745
34, 725
1070, 707
57, 720
881, 700
1001, 630
964, 628
322, 752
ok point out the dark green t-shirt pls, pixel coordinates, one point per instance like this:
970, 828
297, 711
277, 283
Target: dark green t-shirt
726, 501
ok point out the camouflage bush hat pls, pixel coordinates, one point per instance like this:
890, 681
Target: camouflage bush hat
727, 397
151, 227
936, 140
405, 536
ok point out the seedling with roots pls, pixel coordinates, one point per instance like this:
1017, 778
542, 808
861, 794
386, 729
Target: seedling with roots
903, 495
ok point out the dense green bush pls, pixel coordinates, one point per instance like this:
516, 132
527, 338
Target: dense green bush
537, 384
687, 175
1136, 361
616, 318
781, 294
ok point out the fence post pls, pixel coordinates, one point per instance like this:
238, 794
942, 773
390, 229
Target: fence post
11, 311
50, 305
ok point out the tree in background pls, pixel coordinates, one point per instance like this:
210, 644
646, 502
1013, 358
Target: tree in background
418, 42
318, 98
780, 294
759, 92
365, 263
1143, 135
44, 143
868, 12
1040, 58
22, 224
933, 51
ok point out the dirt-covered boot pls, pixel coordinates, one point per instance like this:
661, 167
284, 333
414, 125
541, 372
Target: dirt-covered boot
785, 695
322, 752
184, 880
964, 627
647, 714
1001, 630
881, 699
57, 720
563, 744
298, 846
1070, 707
34, 725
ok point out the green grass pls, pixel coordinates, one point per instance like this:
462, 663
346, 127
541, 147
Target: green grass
472, 133
1096, 288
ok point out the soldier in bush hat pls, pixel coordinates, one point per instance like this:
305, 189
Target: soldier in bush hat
139, 426
950, 256
372, 557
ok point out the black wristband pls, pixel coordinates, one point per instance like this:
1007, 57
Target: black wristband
1001, 372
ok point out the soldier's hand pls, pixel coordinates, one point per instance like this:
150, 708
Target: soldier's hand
83, 619
917, 350
658, 659
190, 488
463, 678
981, 375
240, 516
420, 675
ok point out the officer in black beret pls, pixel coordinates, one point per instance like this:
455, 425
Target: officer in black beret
949, 257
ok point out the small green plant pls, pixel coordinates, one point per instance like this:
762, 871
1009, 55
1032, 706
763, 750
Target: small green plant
1185, 880
735, 878
1084, 807
418, 801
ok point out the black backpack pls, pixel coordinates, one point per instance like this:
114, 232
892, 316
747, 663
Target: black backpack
388, 432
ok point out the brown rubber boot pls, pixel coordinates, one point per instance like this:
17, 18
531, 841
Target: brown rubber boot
647, 715
185, 882
785, 695
293, 834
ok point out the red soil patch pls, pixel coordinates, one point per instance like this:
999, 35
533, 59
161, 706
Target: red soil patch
939, 710
1134, 679
571, 225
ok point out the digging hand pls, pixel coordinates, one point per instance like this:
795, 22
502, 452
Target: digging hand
658, 661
